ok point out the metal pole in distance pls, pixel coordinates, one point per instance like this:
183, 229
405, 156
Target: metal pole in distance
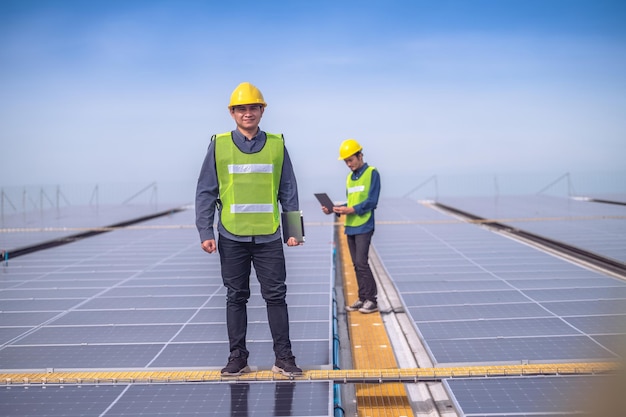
150, 186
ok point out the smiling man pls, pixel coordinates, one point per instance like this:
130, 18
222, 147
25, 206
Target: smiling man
245, 174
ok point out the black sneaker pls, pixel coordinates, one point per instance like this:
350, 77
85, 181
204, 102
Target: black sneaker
287, 367
368, 307
355, 306
236, 366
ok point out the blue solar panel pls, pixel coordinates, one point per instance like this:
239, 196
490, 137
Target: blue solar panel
597, 227
516, 350
38, 226
477, 311
478, 297
228, 400
149, 297
481, 328
522, 396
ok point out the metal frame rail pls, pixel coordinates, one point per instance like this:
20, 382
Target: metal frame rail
345, 376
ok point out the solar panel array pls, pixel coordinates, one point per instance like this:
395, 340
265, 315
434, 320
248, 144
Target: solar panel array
593, 226
189, 399
149, 298
477, 297
38, 226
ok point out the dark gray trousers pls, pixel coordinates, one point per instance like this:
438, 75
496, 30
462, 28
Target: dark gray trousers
359, 246
269, 263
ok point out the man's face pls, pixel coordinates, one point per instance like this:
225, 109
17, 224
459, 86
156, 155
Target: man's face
247, 116
354, 162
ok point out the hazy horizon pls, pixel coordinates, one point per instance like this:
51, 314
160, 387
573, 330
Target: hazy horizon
113, 92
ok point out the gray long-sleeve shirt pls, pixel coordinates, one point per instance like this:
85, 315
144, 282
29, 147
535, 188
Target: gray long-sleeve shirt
207, 190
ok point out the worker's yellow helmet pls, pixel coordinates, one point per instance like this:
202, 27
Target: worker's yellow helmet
246, 93
348, 148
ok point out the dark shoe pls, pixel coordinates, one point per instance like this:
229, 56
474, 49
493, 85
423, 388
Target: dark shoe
287, 367
355, 306
368, 307
236, 366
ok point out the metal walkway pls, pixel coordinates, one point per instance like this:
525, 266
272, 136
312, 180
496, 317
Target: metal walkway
371, 348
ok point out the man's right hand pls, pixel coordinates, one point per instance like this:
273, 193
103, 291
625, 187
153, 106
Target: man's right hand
208, 246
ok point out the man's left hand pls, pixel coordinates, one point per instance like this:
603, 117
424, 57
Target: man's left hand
343, 210
293, 242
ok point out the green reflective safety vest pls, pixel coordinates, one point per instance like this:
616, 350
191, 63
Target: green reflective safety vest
248, 185
358, 190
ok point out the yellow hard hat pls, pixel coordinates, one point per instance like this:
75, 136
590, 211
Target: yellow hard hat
246, 93
348, 148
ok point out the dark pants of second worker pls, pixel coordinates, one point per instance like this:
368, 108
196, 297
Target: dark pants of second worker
269, 263
359, 246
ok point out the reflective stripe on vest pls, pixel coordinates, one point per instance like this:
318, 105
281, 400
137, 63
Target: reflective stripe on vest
251, 208
358, 190
250, 168
248, 185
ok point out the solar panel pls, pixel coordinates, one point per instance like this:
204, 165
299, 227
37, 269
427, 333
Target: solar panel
234, 399
468, 276
148, 297
38, 226
477, 297
477, 311
480, 328
515, 350
593, 226
522, 396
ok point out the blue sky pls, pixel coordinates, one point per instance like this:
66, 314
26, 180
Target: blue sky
131, 91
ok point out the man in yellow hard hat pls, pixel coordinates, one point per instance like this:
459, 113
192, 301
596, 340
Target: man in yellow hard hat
245, 174
362, 190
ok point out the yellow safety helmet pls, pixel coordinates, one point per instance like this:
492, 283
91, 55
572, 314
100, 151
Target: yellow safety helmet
246, 93
348, 148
